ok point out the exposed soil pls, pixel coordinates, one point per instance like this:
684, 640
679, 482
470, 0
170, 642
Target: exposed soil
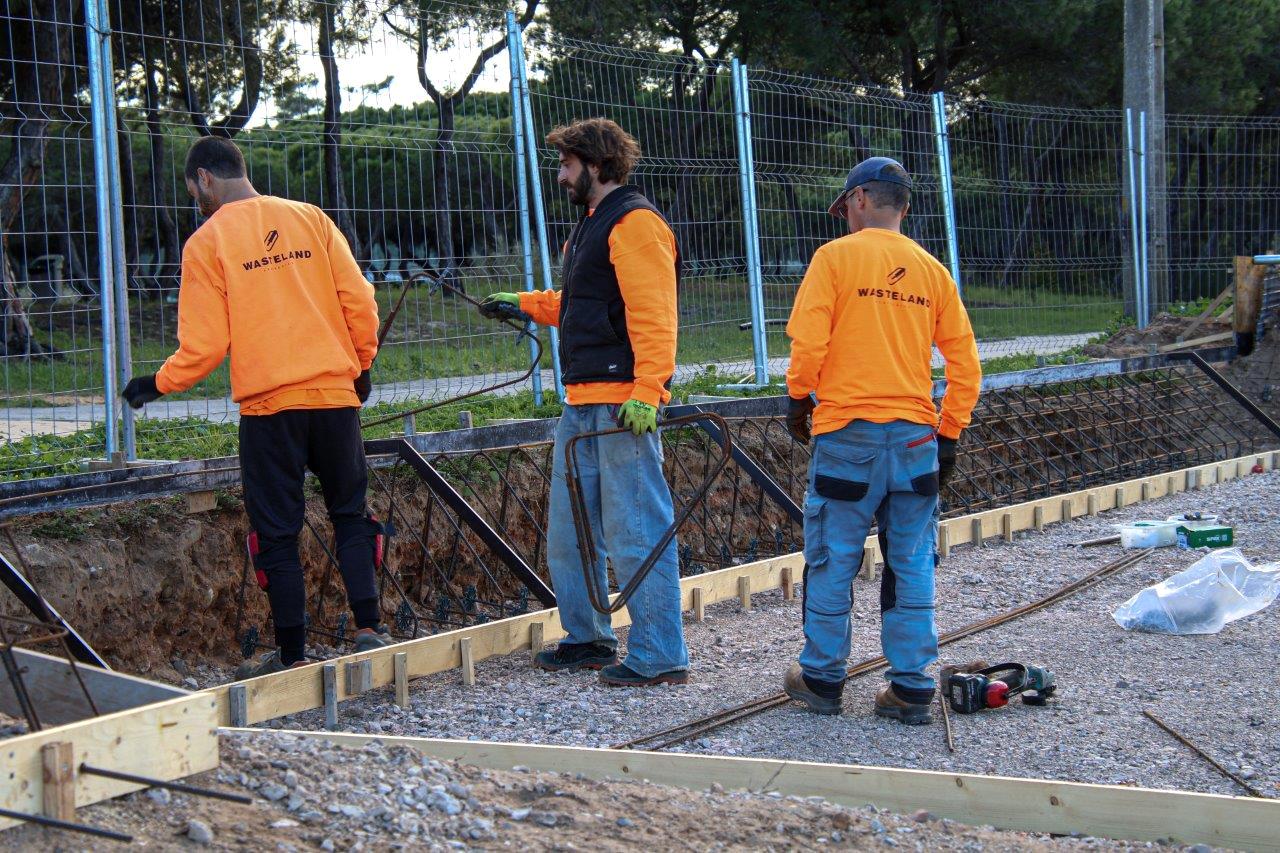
1163, 329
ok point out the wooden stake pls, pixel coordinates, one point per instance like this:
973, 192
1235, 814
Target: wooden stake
869, 563
58, 771
1146, 491
238, 701
329, 689
201, 501
1091, 505
400, 665
787, 584
944, 540
1037, 518
975, 535
468, 665
699, 604
1067, 510
536, 639
1120, 498
744, 592
1193, 480
1006, 526
1171, 485
359, 676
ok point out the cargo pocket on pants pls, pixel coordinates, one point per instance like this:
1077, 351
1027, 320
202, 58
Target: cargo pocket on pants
921, 461
842, 475
815, 532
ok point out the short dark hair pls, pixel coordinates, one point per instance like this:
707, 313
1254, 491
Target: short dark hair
217, 155
887, 194
600, 142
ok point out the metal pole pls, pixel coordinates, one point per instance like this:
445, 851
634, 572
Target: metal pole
102, 195
751, 234
522, 188
536, 201
1131, 156
124, 348
1144, 296
948, 191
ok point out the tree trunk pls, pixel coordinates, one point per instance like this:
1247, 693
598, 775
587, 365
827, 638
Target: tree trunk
168, 270
334, 194
441, 171
42, 93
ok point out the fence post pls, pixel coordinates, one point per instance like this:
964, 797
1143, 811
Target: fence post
750, 224
1135, 203
520, 68
1144, 291
120, 270
522, 187
99, 96
948, 190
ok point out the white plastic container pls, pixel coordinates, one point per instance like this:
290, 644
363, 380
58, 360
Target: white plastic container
1148, 533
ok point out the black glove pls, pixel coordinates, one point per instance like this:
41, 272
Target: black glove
140, 391
946, 460
798, 418
363, 385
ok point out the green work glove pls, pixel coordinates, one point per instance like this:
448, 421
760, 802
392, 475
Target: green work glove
494, 306
638, 417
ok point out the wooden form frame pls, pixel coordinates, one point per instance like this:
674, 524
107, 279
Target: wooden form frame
304, 688
166, 740
1033, 805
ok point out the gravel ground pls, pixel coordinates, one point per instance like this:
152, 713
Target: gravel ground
310, 794
1205, 686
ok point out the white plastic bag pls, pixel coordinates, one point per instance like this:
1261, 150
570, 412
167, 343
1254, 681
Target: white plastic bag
1220, 587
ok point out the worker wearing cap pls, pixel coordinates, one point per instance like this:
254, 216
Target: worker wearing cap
872, 306
617, 319
273, 283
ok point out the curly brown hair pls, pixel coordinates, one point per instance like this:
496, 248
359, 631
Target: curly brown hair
600, 142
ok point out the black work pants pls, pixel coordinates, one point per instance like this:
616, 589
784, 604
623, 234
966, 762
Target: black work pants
275, 451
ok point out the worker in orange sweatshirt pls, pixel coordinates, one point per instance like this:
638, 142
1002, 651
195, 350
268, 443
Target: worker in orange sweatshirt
617, 319
273, 283
872, 306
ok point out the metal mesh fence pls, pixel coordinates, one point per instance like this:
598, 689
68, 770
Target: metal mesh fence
1041, 224
397, 120
1222, 199
807, 135
51, 349
426, 186
680, 110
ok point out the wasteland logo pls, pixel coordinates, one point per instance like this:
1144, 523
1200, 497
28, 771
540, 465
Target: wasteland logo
271, 239
896, 276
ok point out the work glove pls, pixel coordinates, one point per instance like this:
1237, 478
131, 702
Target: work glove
140, 391
638, 417
492, 306
946, 460
363, 386
798, 413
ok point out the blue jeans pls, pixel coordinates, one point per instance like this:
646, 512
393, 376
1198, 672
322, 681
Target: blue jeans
629, 505
861, 471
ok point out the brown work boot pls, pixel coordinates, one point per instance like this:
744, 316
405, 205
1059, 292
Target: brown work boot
889, 704
798, 688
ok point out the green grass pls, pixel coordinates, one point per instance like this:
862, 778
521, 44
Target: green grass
999, 314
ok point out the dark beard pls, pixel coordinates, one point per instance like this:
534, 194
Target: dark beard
580, 190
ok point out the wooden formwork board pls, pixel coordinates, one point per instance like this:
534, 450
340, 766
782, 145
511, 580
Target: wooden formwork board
301, 689
167, 740
1032, 805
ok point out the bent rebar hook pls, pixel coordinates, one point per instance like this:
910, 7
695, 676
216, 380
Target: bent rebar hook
598, 596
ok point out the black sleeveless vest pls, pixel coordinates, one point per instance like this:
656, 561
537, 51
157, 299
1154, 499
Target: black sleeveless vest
594, 346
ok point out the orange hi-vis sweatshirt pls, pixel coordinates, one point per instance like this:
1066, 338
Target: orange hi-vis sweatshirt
274, 283
643, 252
868, 313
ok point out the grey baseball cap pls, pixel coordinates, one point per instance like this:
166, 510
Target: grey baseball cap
870, 169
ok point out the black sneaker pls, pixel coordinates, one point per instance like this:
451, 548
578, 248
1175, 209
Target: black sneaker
621, 675
575, 656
